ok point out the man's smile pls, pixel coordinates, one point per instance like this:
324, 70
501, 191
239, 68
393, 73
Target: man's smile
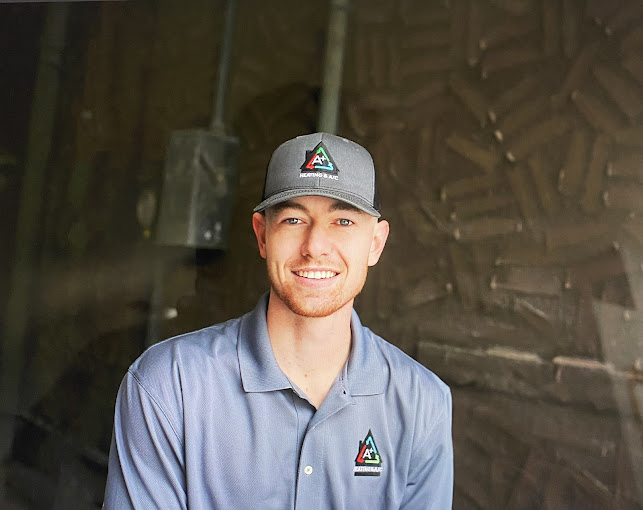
316, 275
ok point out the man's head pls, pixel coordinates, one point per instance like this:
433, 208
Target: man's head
317, 226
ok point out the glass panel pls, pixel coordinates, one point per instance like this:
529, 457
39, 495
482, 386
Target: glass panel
508, 140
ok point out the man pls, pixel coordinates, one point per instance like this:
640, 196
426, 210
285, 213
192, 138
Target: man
295, 405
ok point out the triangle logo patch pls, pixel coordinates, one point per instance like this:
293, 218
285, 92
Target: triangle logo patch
318, 161
368, 461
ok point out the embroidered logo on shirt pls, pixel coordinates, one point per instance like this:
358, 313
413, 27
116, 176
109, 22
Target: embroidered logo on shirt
368, 461
319, 163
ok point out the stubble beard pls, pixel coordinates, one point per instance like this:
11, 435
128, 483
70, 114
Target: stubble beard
322, 304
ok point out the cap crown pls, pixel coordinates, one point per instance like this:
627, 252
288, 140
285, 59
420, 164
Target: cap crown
321, 164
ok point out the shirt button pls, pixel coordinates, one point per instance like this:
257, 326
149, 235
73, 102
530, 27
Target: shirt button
308, 470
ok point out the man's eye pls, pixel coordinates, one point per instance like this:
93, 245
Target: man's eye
344, 222
292, 221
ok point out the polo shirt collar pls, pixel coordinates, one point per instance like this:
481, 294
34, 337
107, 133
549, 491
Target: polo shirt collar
364, 373
366, 369
257, 363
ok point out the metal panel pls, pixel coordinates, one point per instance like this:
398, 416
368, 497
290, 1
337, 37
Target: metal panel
198, 190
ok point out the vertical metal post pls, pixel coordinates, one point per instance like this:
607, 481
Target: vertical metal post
224, 64
43, 115
333, 66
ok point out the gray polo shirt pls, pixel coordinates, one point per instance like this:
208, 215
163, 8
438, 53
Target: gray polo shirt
208, 420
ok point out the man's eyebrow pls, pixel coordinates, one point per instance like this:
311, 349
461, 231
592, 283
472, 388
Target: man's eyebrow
338, 205
288, 204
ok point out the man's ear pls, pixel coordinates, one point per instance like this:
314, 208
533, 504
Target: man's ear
380, 235
259, 226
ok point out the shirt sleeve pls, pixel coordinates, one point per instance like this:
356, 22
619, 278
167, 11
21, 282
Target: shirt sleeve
146, 463
430, 482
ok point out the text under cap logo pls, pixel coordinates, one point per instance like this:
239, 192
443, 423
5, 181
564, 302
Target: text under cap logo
368, 461
319, 163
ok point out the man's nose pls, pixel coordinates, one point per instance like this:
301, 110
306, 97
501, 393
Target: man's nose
317, 242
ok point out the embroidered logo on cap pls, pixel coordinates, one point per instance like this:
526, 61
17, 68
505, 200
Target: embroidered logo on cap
368, 461
319, 163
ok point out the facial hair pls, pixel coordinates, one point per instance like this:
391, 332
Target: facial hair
322, 302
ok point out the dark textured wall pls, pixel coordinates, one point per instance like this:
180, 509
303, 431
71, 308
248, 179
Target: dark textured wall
508, 139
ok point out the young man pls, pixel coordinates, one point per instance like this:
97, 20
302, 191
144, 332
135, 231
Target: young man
295, 405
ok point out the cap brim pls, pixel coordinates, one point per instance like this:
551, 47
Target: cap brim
329, 193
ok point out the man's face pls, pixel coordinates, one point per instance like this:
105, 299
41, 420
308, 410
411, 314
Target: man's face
317, 252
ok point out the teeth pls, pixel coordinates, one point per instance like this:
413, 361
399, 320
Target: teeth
316, 275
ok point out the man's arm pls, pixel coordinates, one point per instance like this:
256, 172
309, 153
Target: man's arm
146, 464
430, 482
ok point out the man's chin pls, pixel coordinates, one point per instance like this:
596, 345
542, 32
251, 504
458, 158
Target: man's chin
311, 307
313, 310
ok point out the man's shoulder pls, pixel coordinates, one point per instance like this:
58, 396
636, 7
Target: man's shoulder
405, 370
189, 350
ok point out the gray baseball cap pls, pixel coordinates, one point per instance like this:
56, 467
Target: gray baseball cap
324, 165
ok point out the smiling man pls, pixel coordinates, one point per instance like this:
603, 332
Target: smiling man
295, 405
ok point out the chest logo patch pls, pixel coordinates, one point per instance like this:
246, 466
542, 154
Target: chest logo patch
368, 461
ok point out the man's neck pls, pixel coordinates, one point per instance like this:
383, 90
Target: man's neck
310, 351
